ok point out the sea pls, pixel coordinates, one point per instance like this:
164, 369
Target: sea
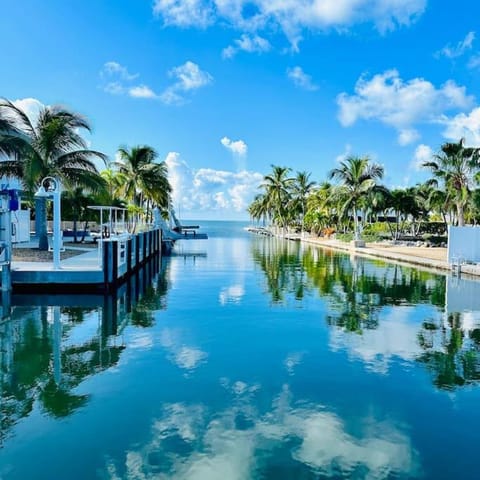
245, 357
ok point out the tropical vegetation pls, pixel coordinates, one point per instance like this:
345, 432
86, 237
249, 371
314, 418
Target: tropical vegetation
50, 144
353, 200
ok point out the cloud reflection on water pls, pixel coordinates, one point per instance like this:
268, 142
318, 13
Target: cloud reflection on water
186, 357
190, 442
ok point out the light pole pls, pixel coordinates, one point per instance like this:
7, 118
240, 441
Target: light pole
51, 188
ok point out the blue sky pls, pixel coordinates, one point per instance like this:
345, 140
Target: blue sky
225, 88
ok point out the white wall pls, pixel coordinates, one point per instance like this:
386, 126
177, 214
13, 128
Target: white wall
21, 226
463, 244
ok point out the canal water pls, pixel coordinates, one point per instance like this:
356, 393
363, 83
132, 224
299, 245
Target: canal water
245, 357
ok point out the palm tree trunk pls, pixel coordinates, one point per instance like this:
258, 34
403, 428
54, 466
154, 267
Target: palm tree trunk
355, 222
460, 214
41, 223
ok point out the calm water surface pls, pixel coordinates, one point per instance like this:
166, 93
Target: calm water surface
244, 357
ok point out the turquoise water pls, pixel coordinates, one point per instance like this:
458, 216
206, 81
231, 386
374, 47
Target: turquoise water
245, 357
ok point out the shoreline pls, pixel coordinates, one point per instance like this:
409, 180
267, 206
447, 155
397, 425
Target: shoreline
431, 258
434, 258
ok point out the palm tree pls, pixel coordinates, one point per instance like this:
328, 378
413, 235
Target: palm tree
301, 189
357, 176
145, 179
277, 191
258, 209
455, 167
50, 146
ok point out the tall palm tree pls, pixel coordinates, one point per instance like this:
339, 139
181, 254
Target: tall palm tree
145, 179
455, 167
49, 146
301, 188
357, 176
277, 190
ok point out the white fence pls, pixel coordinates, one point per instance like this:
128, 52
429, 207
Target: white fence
463, 244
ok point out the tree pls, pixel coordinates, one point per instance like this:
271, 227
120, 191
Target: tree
258, 209
455, 167
277, 192
301, 189
357, 176
49, 146
145, 179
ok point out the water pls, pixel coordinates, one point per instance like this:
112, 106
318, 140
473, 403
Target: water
244, 357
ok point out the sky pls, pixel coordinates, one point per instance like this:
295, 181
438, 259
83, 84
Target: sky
224, 89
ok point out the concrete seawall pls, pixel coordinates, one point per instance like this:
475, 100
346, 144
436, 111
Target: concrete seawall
98, 270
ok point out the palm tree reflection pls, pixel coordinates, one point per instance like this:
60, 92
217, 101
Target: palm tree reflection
358, 293
46, 352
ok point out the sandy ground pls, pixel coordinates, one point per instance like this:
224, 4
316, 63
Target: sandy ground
436, 253
36, 255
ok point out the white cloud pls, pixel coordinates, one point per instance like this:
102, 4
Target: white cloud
291, 17
237, 147
301, 79
114, 88
474, 61
454, 51
208, 190
114, 69
464, 126
30, 106
408, 136
423, 153
185, 13
142, 91
188, 77
118, 81
247, 43
394, 102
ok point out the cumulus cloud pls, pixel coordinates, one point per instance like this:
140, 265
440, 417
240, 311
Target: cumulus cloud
400, 104
185, 13
187, 77
423, 153
237, 147
247, 43
141, 91
454, 51
301, 79
117, 80
291, 17
114, 69
31, 106
408, 136
208, 190
463, 126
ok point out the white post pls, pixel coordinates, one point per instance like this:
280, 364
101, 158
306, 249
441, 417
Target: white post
57, 232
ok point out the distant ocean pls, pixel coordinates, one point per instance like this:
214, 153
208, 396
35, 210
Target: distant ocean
220, 228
